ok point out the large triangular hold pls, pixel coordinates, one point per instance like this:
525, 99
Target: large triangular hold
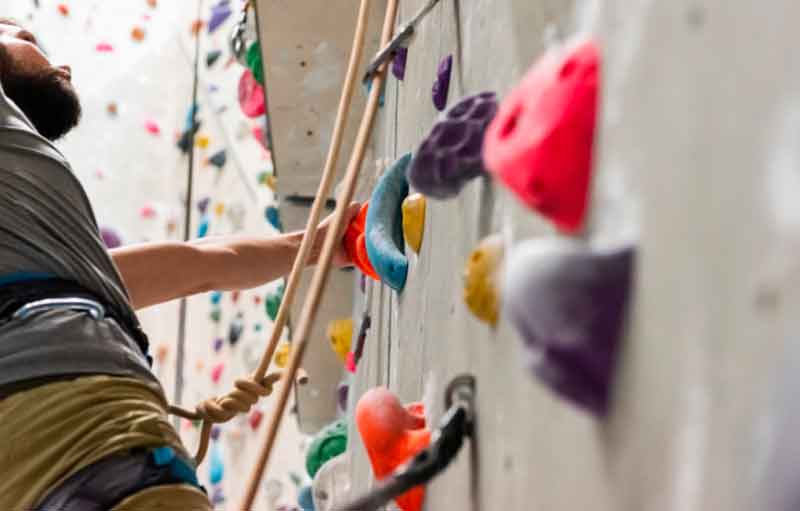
540, 144
568, 303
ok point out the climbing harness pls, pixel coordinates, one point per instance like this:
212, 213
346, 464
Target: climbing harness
446, 442
399, 41
323, 267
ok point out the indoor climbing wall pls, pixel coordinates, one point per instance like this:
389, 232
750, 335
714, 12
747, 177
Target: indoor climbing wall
675, 256
133, 65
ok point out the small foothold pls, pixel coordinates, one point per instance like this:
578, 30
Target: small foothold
112, 108
235, 295
450, 156
273, 302
384, 226
399, 63
273, 216
104, 47
441, 87
258, 327
255, 419
236, 329
260, 136
267, 179
202, 205
253, 59
342, 393
355, 243
330, 442
216, 372
138, 34
219, 159
219, 209
161, 352
251, 95
215, 432
110, 237
568, 303
196, 27
218, 344
212, 57
216, 470
305, 499
203, 141
217, 497
147, 212
152, 3
152, 127
63, 9
282, 354
202, 229
481, 279
414, 220
340, 336
216, 297
220, 12
392, 435
216, 314
540, 144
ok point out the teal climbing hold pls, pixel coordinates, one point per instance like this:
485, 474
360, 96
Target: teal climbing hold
216, 297
384, 232
273, 301
305, 499
219, 159
254, 62
216, 470
202, 229
330, 442
273, 216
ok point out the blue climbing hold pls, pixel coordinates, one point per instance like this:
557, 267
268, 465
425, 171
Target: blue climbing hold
216, 297
219, 159
273, 216
305, 499
384, 233
202, 229
216, 470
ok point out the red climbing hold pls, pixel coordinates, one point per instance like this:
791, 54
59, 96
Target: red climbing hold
251, 95
540, 143
355, 243
392, 435
255, 419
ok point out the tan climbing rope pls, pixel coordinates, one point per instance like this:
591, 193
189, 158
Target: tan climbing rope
322, 270
249, 390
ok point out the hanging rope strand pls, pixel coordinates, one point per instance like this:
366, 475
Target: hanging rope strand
223, 409
322, 271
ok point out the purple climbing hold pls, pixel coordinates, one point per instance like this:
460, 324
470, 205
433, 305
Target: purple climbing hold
217, 497
215, 432
218, 344
399, 63
568, 303
110, 237
202, 205
219, 14
342, 393
451, 155
441, 87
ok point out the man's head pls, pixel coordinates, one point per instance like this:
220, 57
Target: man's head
42, 91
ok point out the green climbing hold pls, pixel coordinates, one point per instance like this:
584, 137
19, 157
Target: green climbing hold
216, 314
254, 62
273, 301
330, 442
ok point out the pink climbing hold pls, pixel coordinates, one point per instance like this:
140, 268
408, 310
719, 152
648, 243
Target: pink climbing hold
152, 127
147, 212
251, 95
216, 372
350, 363
540, 143
255, 419
104, 47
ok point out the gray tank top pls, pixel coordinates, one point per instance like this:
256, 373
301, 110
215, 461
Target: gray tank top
47, 226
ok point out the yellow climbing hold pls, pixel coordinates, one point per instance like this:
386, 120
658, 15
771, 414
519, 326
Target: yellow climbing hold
340, 335
219, 209
282, 354
414, 220
481, 279
203, 141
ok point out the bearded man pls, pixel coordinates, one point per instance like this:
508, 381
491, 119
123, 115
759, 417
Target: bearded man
82, 417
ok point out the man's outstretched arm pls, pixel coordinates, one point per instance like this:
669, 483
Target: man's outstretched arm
159, 272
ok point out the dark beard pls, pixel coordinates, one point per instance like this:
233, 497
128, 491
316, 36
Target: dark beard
46, 98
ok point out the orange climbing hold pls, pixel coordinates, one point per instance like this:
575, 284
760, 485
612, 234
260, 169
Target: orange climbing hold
138, 34
355, 243
392, 435
63, 9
